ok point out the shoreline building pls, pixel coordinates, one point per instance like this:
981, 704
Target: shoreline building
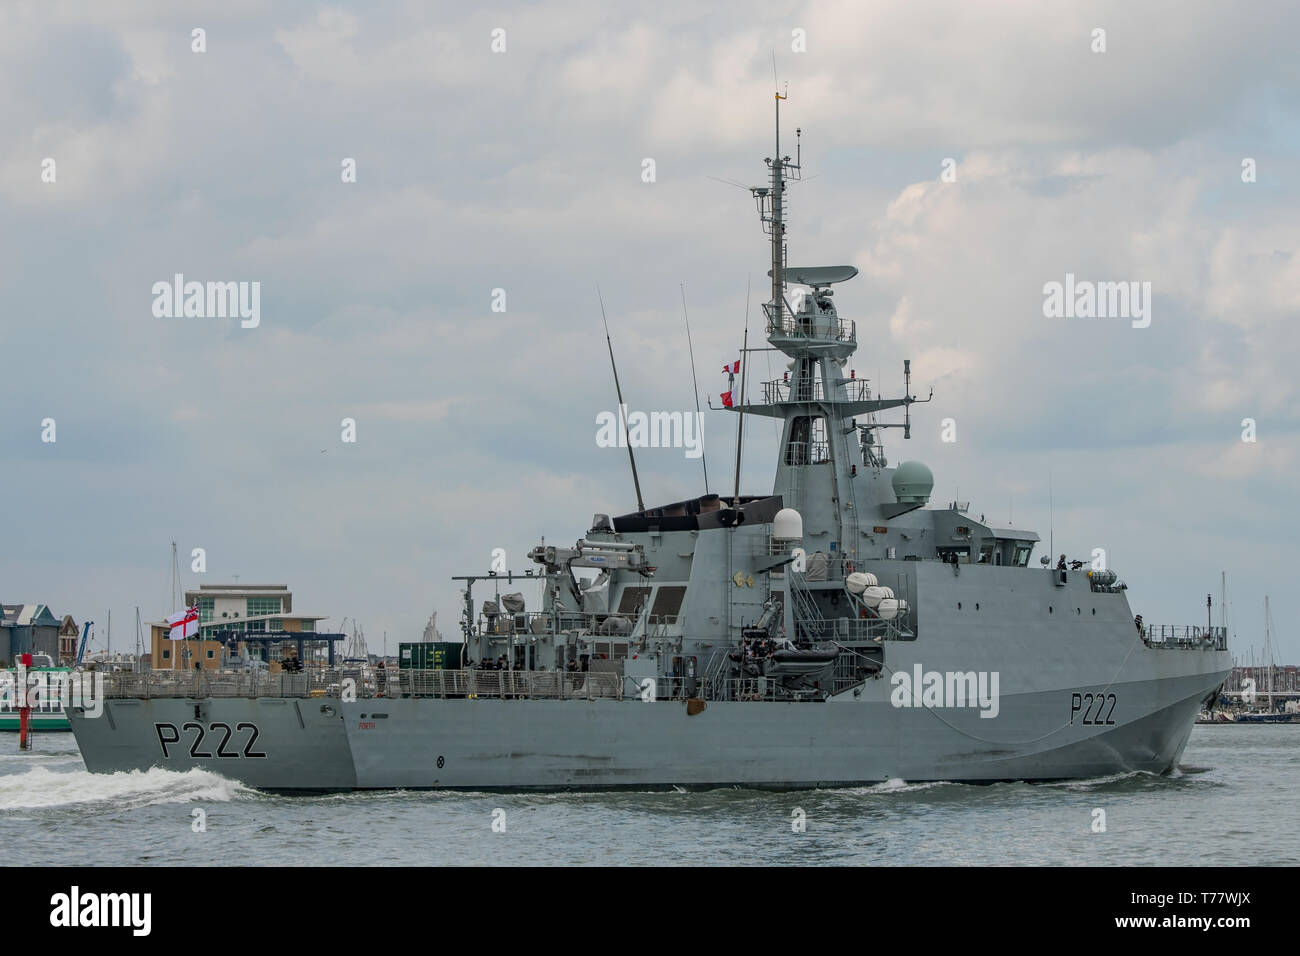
69, 637
242, 624
29, 629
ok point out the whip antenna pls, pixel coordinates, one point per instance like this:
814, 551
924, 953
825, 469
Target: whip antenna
699, 419
744, 373
618, 391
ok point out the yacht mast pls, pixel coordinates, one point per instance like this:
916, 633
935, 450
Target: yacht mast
1268, 648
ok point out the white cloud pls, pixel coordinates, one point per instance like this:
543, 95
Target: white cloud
522, 170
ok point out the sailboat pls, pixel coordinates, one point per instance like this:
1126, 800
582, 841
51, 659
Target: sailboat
1270, 715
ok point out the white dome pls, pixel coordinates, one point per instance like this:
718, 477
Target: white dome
787, 524
912, 483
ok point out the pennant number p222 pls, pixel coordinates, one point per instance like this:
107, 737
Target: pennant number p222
217, 739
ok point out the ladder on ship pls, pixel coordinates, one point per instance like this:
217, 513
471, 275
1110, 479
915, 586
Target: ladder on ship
715, 673
809, 624
850, 529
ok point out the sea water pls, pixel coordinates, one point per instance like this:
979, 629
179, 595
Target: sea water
1232, 803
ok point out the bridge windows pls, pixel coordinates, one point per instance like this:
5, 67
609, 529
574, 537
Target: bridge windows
668, 603
632, 599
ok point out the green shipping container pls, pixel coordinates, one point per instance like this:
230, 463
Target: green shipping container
436, 655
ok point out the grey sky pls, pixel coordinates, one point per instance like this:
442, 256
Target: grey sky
521, 170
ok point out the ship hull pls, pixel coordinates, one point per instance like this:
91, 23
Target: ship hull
304, 748
598, 744
850, 739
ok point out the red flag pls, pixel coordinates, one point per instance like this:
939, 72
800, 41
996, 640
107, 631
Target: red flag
733, 369
726, 400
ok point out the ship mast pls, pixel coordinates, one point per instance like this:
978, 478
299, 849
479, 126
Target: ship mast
822, 442
778, 212
774, 216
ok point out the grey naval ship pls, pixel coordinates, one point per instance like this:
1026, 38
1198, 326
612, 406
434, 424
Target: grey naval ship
838, 631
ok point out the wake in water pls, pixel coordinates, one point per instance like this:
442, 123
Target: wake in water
1121, 781
894, 785
42, 788
1139, 777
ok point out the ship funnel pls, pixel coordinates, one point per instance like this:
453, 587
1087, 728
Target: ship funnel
912, 483
787, 525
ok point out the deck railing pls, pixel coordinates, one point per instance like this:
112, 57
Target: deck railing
1185, 635
443, 684
779, 390
525, 623
802, 325
519, 684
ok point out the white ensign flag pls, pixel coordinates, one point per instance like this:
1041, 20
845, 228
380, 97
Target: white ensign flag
184, 623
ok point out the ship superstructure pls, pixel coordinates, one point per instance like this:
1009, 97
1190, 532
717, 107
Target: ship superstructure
835, 631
